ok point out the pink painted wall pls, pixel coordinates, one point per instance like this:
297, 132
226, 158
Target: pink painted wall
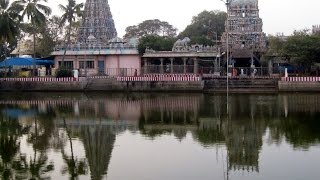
131, 63
115, 65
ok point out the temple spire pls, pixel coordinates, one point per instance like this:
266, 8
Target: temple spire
97, 22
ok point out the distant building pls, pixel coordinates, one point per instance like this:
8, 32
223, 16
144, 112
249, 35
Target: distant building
244, 29
315, 29
98, 50
24, 49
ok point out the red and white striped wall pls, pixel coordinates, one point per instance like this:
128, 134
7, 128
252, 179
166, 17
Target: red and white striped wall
40, 79
300, 79
98, 77
162, 77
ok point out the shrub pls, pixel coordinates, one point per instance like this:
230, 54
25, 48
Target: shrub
64, 73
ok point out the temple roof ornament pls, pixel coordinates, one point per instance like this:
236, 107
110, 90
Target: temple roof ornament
243, 2
244, 29
97, 20
97, 34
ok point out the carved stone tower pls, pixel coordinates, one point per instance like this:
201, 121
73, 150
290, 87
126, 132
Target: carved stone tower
97, 22
244, 27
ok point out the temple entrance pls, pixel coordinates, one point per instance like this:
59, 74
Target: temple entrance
245, 62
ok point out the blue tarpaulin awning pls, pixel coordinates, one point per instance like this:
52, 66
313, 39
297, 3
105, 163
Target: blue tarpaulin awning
17, 61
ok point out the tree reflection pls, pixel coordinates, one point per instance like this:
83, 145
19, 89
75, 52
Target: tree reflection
38, 137
10, 132
74, 166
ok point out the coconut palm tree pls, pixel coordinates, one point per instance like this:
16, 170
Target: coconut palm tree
9, 25
9, 20
70, 12
36, 14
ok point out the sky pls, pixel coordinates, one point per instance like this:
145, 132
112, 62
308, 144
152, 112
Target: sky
279, 16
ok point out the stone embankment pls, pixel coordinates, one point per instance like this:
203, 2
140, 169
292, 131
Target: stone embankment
209, 85
105, 84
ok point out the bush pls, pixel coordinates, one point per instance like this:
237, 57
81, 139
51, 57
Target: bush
64, 73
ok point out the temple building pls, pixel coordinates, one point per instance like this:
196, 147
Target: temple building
184, 58
246, 39
98, 50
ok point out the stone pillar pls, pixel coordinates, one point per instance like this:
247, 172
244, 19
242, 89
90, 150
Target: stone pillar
185, 65
270, 67
252, 60
145, 65
171, 60
195, 66
216, 66
161, 66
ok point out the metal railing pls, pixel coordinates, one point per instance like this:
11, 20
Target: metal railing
156, 69
167, 69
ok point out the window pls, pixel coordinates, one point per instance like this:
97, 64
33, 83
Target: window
66, 64
86, 64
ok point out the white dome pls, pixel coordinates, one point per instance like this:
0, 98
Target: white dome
116, 40
91, 37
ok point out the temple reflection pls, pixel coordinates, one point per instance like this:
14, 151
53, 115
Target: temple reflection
97, 120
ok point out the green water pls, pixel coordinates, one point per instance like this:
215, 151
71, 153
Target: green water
159, 136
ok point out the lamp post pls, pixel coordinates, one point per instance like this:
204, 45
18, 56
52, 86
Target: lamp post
5, 49
227, 3
216, 39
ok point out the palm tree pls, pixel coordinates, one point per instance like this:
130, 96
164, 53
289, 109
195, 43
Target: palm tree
9, 20
70, 12
9, 23
36, 13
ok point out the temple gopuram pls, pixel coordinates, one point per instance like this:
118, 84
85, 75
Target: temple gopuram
246, 39
98, 50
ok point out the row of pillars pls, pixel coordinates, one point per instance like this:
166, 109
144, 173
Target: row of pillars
195, 66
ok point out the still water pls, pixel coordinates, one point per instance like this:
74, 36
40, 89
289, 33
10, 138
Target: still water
159, 136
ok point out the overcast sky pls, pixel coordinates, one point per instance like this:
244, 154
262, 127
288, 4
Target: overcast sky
279, 16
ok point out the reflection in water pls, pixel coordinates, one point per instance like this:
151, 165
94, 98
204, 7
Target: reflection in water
59, 122
98, 143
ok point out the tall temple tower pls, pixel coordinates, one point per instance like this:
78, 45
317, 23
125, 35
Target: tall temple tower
97, 23
244, 28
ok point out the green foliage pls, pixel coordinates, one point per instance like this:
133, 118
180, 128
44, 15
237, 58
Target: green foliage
276, 46
36, 13
64, 73
301, 48
151, 27
9, 27
205, 27
9, 20
156, 43
70, 12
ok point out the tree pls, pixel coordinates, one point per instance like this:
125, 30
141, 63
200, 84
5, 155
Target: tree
205, 27
35, 13
50, 36
9, 25
303, 48
276, 50
70, 12
151, 27
9, 20
155, 42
